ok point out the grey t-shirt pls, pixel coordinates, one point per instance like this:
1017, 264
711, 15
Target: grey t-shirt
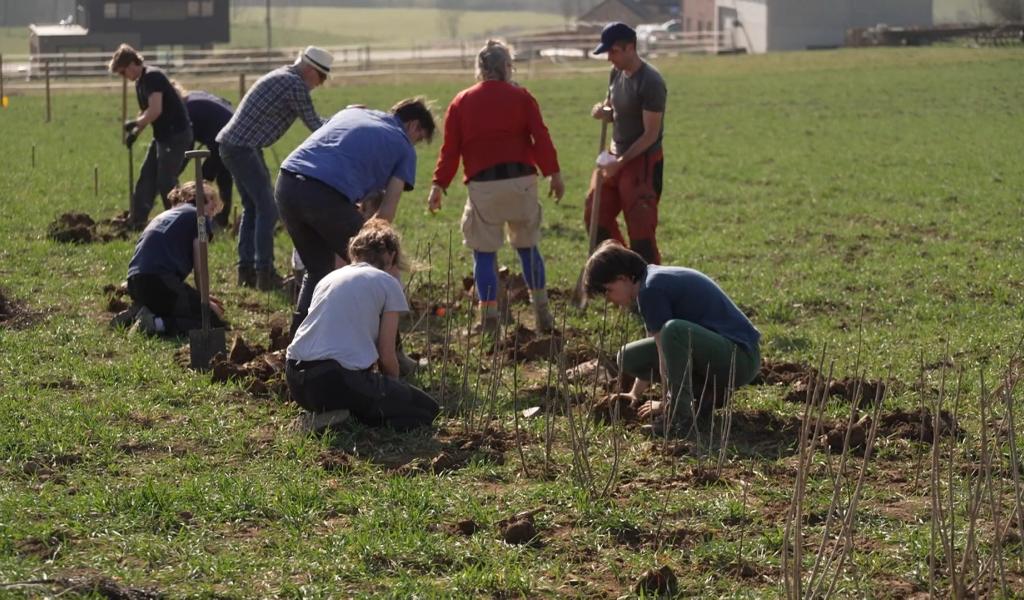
630, 96
344, 316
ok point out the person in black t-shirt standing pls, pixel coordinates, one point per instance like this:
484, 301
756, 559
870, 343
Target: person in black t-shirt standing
161, 106
209, 114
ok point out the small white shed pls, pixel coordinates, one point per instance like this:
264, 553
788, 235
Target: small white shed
769, 25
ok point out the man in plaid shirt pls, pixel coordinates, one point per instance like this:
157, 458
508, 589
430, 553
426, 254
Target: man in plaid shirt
265, 114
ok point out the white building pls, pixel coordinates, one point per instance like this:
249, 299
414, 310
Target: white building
769, 25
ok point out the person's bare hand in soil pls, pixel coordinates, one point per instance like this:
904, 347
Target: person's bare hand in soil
651, 409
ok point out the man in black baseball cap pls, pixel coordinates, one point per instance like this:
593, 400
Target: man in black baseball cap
632, 182
612, 33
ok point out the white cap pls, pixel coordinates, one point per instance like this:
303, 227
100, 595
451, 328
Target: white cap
318, 58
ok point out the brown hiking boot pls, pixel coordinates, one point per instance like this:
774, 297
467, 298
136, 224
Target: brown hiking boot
246, 277
268, 280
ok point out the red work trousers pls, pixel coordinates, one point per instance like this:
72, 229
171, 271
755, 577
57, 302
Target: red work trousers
634, 191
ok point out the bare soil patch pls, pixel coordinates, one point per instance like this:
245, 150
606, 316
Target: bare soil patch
259, 369
117, 298
9, 309
657, 582
445, 451
80, 228
803, 378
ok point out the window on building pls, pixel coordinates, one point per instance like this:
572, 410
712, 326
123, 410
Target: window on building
688, 27
200, 8
162, 10
117, 10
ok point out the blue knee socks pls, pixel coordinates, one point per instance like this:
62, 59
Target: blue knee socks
485, 271
533, 267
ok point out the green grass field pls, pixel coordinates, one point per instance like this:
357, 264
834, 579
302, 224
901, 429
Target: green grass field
865, 202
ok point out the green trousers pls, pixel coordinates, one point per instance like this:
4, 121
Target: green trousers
712, 357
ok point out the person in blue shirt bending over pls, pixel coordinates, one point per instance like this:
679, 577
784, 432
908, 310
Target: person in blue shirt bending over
209, 114
163, 304
358, 153
698, 338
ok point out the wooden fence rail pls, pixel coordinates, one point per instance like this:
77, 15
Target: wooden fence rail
23, 72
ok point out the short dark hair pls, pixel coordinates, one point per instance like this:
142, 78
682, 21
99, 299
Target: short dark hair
124, 55
416, 109
609, 262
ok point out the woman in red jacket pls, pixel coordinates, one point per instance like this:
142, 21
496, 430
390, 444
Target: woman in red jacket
496, 128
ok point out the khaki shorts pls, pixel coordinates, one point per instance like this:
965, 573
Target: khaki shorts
493, 204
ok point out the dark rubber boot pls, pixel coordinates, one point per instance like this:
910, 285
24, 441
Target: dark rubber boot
268, 280
246, 277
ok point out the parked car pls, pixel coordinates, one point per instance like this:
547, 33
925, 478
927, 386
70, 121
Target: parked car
649, 34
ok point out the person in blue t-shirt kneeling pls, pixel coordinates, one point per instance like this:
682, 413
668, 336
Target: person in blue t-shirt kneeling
357, 153
690, 321
163, 303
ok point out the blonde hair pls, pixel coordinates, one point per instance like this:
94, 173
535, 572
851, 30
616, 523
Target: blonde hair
186, 194
493, 63
124, 55
376, 239
182, 90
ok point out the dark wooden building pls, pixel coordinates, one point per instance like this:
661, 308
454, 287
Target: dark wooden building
101, 25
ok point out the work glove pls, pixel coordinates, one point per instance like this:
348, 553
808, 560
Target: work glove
130, 138
130, 124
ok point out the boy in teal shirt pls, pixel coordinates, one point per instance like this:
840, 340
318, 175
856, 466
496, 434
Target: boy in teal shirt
690, 321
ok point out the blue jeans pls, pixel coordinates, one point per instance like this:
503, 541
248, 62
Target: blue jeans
259, 213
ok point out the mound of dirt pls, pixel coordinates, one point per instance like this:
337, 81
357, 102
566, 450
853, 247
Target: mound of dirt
784, 373
8, 308
852, 390
80, 228
914, 426
102, 586
801, 378
614, 406
658, 582
520, 529
519, 532
465, 528
261, 371
454, 451
117, 296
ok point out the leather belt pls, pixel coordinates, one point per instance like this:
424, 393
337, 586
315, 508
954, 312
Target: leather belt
508, 170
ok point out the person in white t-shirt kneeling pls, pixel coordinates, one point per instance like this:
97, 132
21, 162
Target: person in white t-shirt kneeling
351, 328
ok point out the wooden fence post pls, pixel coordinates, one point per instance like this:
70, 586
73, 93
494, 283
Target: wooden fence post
96, 180
46, 67
241, 87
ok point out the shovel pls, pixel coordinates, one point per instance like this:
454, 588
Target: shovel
579, 298
205, 343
